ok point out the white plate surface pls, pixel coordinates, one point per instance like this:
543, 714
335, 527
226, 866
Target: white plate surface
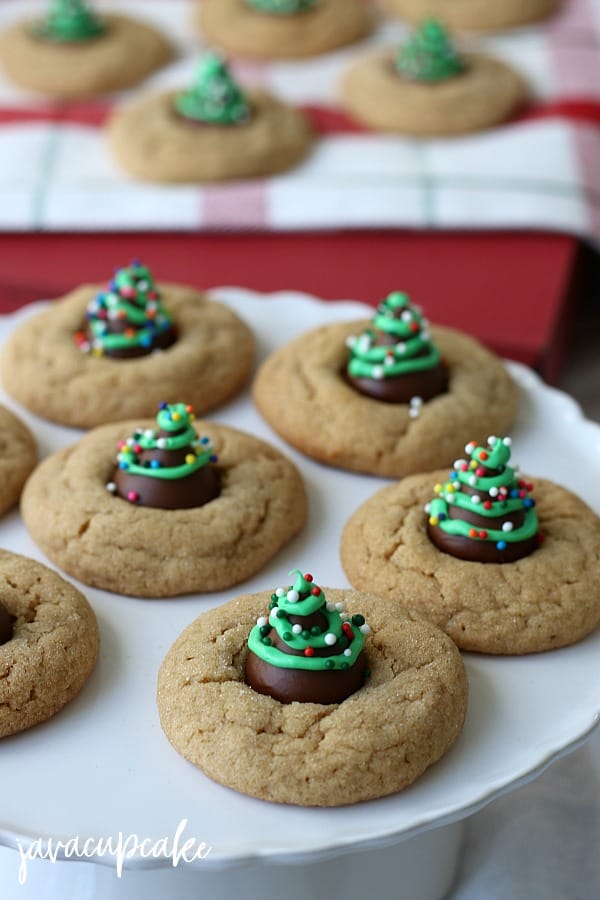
103, 766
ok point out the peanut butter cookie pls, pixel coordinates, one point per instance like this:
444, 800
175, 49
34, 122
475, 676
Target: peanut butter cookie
18, 456
547, 599
374, 743
48, 642
113, 540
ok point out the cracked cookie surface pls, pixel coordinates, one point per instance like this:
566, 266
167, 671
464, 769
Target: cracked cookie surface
546, 600
54, 646
301, 393
43, 368
378, 741
18, 456
112, 544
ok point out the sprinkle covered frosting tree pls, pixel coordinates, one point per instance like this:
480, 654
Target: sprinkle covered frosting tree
428, 55
168, 467
306, 649
70, 21
484, 513
214, 98
128, 319
395, 360
281, 7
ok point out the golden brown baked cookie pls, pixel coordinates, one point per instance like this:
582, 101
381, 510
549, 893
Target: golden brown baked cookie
486, 93
546, 600
18, 456
474, 15
123, 55
374, 743
302, 394
54, 643
238, 28
109, 543
152, 143
43, 368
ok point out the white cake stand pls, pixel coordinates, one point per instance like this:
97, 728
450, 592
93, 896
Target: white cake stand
103, 766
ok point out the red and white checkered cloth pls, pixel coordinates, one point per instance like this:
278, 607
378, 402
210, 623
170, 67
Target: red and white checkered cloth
541, 171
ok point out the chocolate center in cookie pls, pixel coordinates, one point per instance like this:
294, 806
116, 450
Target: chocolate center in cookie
6, 625
127, 320
168, 467
484, 512
306, 650
394, 360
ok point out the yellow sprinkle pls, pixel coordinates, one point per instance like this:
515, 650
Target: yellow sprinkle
437, 489
97, 351
473, 464
450, 488
175, 416
433, 520
190, 459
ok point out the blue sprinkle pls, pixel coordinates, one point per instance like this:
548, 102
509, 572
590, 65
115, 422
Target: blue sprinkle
123, 465
442, 516
162, 405
214, 458
205, 440
146, 341
501, 545
514, 493
155, 463
453, 474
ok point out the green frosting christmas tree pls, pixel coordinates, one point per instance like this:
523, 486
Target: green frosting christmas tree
126, 317
144, 452
214, 97
410, 351
429, 55
281, 7
71, 21
342, 636
485, 486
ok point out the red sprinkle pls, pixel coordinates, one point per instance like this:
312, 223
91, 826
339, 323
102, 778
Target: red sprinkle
483, 455
472, 532
308, 577
309, 651
315, 591
483, 535
414, 326
479, 472
487, 504
133, 496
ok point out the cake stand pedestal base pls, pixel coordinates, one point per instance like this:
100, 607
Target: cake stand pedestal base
420, 868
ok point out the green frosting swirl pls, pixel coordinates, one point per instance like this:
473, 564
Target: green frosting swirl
303, 598
70, 22
177, 418
214, 97
497, 494
429, 55
412, 352
281, 7
131, 297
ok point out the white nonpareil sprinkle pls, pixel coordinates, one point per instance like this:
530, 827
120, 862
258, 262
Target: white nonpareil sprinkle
330, 639
297, 629
262, 621
293, 596
507, 526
